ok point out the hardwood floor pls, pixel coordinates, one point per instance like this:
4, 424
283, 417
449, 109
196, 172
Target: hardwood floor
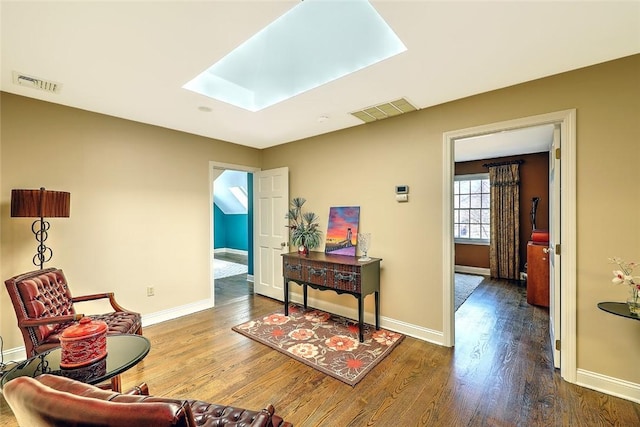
232, 288
498, 374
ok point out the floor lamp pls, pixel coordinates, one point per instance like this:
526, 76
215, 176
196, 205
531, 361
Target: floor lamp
40, 204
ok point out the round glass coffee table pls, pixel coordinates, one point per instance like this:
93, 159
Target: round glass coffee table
123, 352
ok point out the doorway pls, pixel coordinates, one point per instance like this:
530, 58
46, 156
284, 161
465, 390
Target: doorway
565, 120
231, 215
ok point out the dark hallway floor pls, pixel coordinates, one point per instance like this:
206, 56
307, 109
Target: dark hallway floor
232, 288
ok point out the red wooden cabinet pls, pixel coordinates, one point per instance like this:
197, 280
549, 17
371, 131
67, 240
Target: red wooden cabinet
538, 274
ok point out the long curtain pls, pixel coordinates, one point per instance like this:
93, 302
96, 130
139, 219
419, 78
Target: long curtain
504, 253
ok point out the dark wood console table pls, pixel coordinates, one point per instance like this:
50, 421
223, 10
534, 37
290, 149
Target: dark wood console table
340, 273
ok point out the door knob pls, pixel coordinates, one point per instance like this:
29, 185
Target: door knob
283, 244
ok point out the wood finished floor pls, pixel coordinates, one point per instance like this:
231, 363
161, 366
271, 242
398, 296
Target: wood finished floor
498, 374
232, 288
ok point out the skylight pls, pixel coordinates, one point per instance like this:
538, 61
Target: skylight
316, 42
241, 194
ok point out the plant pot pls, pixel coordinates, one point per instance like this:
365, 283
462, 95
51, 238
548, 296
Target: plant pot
303, 250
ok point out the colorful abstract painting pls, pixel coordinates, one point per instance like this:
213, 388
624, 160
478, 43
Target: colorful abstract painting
342, 232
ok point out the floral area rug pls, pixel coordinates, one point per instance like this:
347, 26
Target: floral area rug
323, 341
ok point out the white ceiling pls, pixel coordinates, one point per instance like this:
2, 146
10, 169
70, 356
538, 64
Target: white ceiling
130, 59
534, 139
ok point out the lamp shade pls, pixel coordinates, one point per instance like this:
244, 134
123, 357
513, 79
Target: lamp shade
40, 203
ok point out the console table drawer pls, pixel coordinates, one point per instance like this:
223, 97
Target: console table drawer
316, 274
293, 270
344, 279
340, 277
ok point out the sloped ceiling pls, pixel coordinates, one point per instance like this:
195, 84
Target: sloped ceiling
222, 195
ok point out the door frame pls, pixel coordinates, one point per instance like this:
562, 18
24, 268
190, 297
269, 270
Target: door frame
213, 166
567, 121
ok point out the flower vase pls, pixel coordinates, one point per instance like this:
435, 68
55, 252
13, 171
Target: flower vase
303, 250
633, 302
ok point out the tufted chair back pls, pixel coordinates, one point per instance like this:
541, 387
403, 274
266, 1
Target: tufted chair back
50, 400
44, 307
43, 295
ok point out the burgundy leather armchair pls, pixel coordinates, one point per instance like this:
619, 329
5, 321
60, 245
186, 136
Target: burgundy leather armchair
50, 400
44, 307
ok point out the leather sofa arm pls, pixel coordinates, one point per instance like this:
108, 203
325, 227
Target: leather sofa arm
268, 418
48, 401
31, 399
67, 385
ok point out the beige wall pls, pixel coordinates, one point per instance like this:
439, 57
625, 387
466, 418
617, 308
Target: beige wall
361, 166
140, 199
139, 204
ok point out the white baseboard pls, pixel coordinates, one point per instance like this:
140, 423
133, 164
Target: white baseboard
175, 312
230, 251
250, 278
480, 271
17, 354
424, 334
609, 385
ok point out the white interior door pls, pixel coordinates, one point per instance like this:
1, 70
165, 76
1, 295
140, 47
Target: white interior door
554, 242
271, 235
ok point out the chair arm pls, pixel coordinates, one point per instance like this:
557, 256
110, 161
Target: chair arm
110, 295
29, 323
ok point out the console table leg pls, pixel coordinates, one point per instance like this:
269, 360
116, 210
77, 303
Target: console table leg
286, 297
360, 316
304, 291
377, 298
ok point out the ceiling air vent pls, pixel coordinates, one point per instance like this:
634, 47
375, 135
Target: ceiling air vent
36, 83
382, 111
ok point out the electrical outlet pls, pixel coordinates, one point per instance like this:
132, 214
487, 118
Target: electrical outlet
150, 291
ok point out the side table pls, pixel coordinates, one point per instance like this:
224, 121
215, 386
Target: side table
617, 308
123, 352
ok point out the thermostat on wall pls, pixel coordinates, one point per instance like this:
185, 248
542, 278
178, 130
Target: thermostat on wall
402, 193
402, 189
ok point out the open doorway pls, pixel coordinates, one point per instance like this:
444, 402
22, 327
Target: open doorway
529, 149
232, 233
564, 123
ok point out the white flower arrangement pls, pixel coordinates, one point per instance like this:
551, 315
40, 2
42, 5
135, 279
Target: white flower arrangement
624, 276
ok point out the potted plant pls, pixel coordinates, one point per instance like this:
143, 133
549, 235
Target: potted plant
305, 233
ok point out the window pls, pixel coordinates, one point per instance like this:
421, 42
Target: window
471, 209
